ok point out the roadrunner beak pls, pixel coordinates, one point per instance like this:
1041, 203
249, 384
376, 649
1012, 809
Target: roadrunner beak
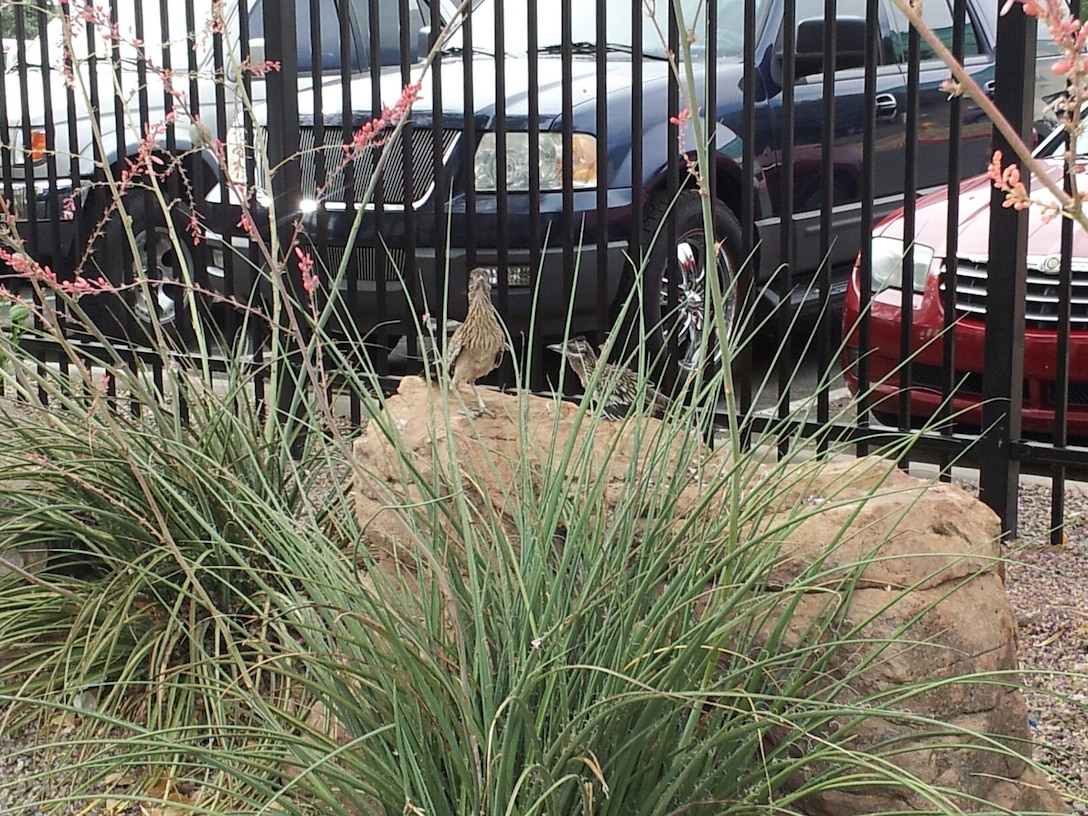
558, 348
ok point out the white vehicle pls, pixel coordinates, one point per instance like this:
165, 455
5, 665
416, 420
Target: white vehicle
167, 81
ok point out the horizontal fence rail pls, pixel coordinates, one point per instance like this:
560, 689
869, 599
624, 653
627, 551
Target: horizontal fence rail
389, 147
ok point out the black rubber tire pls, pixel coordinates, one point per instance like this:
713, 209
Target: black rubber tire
130, 316
687, 319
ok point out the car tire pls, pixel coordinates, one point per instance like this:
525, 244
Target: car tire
131, 315
676, 332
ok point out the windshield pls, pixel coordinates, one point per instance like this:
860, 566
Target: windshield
619, 31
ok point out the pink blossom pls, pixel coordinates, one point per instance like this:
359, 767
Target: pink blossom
310, 280
370, 133
247, 225
193, 228
259, 69
1062, 66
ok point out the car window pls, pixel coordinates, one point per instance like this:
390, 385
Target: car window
389, 28
622, 19
937, 14
1049, 86
328, 23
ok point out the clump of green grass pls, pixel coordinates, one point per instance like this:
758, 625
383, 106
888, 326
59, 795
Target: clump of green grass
217, 629
214, 606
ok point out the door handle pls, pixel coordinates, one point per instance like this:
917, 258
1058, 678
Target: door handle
886, 106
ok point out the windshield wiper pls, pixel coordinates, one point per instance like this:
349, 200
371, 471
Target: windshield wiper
456, 51
591, 48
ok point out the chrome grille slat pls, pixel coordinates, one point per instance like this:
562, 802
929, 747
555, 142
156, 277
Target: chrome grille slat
333, 187
366, 262
1041, 307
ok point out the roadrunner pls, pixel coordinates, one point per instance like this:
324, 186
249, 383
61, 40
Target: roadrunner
617, 388
476, 347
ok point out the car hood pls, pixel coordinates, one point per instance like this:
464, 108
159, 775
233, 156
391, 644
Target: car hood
450, 77
1044, 236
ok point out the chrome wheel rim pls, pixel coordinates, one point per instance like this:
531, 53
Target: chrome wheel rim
686, 319
158, 302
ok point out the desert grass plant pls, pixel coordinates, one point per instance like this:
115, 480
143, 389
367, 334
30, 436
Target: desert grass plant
529, 653
229, 621
223, 628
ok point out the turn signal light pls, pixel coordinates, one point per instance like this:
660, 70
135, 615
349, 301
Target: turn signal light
37, 145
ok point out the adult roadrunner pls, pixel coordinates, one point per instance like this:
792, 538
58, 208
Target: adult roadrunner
476, 347
617, 388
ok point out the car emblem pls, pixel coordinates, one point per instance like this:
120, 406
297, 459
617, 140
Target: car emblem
1051, 265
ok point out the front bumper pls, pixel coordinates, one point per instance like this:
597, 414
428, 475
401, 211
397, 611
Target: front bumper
886, 364
404, 266
399, 298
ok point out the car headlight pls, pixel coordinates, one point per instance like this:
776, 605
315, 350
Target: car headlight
582, 162
888, 255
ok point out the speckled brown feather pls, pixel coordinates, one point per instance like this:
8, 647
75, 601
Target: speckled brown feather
476, 347
617, 386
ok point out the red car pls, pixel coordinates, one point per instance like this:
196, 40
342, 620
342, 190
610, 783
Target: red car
928, 318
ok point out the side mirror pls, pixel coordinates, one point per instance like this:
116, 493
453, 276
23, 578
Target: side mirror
849, 45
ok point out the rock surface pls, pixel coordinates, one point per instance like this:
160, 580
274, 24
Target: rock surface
922, 560
928, 604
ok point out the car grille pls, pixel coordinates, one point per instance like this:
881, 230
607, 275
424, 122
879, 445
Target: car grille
966, 383
1041, 309
1078, 393
335, 172
367, 263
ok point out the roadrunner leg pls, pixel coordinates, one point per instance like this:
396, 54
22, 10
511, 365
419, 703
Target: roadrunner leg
481, 408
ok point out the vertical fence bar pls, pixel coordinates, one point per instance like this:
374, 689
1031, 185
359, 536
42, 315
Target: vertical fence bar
784, 277
468, 179
742, 367
637, 250
1003, 377
827, 204
868, 186
910, 192
358, 183
537, 367
1060, 401
416, 290
283, 148
569, 229
502, 202
948, 336
668, 234
601, 267
409, 35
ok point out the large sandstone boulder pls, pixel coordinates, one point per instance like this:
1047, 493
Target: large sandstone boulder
487, 457
928, 604
910, 569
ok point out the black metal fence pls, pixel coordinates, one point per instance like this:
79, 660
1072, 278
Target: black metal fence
550, 143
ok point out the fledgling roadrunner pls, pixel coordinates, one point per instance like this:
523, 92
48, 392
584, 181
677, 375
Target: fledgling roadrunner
617, 388
476, 347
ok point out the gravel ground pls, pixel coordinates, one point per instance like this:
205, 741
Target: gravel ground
1048, 587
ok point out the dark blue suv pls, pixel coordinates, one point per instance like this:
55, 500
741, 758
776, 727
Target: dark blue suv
541, 149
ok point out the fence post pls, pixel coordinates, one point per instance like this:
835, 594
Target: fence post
281, 87
1003, 377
